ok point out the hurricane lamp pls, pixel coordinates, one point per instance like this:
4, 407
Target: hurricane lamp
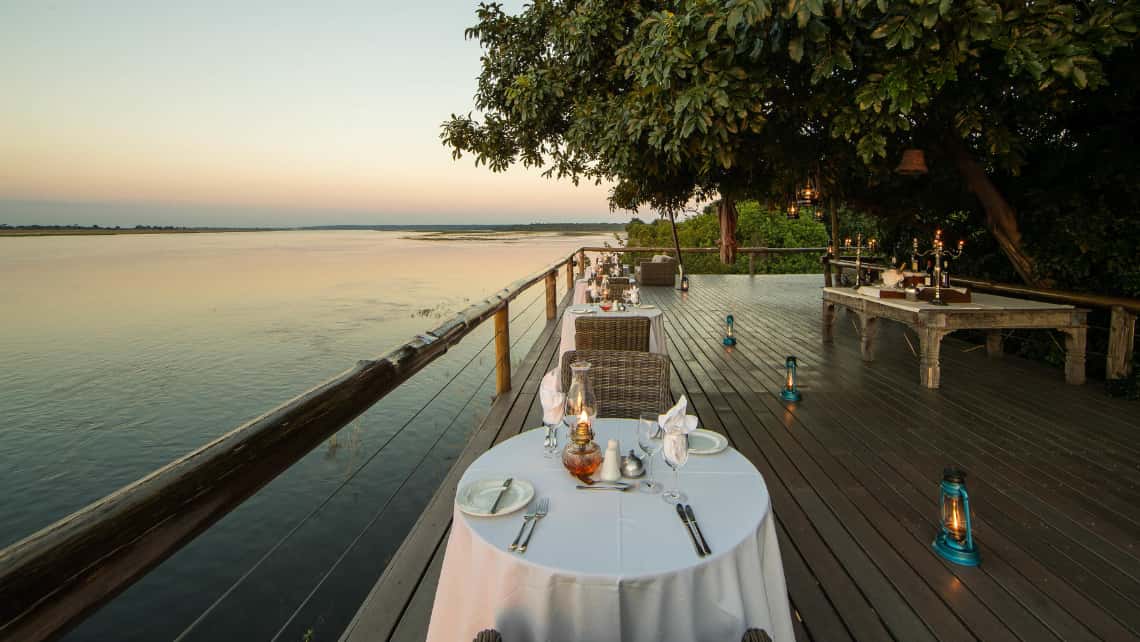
684, 283
791, 391
818, 214
793, 212
729, 338
955, 539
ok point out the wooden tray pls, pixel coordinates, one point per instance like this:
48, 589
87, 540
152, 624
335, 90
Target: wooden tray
949, 295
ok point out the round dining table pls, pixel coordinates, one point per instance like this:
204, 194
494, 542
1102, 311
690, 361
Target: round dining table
610, 565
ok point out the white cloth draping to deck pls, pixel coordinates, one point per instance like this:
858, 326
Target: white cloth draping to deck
606, 565
581, 287
656, 329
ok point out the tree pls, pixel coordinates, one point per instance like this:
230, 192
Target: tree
682, 101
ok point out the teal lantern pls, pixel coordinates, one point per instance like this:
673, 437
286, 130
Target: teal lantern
684, 283
955, 539
729, 338
791, 391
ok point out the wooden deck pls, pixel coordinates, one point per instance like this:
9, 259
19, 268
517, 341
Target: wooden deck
853, 472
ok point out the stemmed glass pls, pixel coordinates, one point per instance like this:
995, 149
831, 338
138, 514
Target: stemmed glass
676, 448
552, 418
649, 439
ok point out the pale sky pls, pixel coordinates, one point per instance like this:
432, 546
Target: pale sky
250, 112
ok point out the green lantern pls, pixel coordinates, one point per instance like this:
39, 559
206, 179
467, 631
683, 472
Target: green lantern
729, 338
791, 391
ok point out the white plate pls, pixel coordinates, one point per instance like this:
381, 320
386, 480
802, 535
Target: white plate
647, 306
582, 310
476, 498
706, 442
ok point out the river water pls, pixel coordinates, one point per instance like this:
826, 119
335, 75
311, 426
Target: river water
119, 354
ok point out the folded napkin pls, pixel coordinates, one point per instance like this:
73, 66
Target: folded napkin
675, 419
553, 401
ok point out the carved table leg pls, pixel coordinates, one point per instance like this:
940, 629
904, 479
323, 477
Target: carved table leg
828, 321
929, 368
1075, 341
994, 344
868, 328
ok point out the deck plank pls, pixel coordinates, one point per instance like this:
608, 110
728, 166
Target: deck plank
853, 472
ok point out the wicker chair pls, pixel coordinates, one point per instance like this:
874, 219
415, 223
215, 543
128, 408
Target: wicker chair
663, 273
756, 635
612, 333
488, 635
625, 383
618, 287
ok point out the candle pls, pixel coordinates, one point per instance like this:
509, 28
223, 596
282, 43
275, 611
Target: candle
583, 420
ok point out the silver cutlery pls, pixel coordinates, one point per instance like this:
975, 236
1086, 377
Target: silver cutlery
689, 530
620, 489
697, 527
543, 508
585, 479
499, 497
526, 520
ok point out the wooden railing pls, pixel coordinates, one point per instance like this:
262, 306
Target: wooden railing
752, 252
54, 578
1122, 319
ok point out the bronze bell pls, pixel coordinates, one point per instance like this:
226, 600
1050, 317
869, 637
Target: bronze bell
913, 163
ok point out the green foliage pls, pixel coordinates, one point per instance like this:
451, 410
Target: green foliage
756, 227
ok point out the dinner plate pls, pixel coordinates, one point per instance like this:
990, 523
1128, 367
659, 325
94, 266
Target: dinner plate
477, 497
582, 310
647, 306
706, 442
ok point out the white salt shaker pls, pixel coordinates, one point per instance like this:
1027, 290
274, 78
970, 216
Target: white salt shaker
611, 464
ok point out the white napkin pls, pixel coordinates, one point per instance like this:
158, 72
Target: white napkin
675, 419
553, 401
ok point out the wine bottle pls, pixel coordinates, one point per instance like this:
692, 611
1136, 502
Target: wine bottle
929, 279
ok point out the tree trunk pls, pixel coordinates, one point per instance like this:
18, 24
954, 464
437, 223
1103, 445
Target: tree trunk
677, 243
726, 212
1000, 217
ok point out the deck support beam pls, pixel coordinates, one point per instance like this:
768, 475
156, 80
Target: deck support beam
503, 349
1075, 344
570, 275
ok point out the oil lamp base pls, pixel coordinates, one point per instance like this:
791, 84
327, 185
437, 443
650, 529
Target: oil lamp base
790, 395
952, 552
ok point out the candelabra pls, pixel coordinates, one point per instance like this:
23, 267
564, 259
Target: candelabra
858, 255
937, 251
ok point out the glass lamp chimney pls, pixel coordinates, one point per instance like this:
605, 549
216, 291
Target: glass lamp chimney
729, 338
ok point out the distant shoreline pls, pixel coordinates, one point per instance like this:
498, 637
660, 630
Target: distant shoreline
439, 232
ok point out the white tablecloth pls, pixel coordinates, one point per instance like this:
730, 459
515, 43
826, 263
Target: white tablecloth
656, 329
615, 566
581, 287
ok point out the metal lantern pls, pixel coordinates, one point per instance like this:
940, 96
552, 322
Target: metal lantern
955, 539
793, 212
819, 214
791, 391
808, 194
913, 163
684, 283
729, 338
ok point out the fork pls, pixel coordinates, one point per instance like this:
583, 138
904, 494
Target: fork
526, 520
543, 508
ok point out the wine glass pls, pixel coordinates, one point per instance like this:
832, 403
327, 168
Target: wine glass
552, 419
649, 439
676, 449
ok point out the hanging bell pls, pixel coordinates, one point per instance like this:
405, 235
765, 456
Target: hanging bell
913, 163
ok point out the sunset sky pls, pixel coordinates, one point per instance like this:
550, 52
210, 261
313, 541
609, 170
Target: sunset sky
250, 112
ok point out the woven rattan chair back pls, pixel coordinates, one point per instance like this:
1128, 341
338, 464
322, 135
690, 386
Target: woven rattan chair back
618, 287
625, 383
612, 333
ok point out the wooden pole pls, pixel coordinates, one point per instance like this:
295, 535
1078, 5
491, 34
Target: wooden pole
751, 264
1121, 342
581, 263
826, 270
551, 295
830, 278
569, 275
503, 349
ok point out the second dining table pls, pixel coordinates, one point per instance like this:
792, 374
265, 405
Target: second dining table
608, 565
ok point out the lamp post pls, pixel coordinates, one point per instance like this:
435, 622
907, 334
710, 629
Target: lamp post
791, 391
955, 539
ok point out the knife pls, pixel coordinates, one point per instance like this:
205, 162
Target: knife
689, 530
602, 487
697, 527
506, 485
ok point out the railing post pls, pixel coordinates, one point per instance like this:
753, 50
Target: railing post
1121, 341
751, 264
570, 275
826, 270
581, 263
551, 295
503, 349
